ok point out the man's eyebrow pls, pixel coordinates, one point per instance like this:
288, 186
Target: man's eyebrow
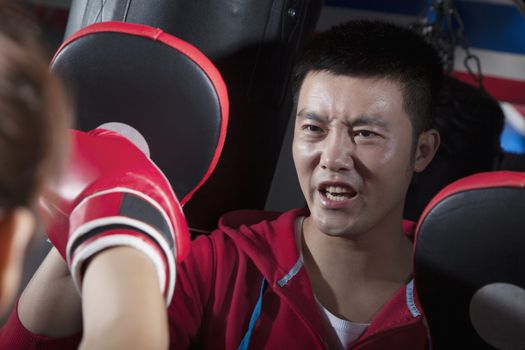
305, 114
369, 120
362, 120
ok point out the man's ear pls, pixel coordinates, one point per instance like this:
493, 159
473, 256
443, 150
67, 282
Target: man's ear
427, 145
16, 230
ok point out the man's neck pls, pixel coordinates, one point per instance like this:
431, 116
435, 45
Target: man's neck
353, 277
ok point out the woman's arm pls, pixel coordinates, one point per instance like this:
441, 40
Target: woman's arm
50, 304
122, 305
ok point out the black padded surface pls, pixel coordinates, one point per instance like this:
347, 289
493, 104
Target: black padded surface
469, 240
470, 123
117, 77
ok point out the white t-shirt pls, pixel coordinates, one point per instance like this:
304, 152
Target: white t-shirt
346, 331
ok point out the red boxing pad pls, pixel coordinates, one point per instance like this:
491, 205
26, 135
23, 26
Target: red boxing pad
470, 263
158, 84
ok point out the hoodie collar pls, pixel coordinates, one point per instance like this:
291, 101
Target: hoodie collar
268, 239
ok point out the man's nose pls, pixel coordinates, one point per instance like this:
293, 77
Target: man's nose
337, 152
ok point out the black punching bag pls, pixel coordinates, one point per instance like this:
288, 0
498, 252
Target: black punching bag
253, 44
469, 266
470, 123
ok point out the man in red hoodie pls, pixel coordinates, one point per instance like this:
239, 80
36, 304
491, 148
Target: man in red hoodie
337, 275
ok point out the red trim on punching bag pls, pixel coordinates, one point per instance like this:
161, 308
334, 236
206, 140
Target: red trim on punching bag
475, 182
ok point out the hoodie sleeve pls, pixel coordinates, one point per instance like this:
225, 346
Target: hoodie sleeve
192, 292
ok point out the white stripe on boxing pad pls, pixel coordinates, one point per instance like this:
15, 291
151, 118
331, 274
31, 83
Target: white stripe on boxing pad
116, 220
139, 225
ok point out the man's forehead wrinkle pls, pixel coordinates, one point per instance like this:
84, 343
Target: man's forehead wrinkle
308, 114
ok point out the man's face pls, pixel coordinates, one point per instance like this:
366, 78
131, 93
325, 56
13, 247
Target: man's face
353, 152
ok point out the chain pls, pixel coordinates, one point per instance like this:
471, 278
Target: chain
443, 28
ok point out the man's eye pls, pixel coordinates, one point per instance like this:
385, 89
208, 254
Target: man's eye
364, 133
312, 128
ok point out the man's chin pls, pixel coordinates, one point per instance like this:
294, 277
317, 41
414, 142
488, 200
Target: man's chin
334, 226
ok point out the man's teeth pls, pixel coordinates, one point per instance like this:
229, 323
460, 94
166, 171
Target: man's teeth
336, 189
337, 193
337, 198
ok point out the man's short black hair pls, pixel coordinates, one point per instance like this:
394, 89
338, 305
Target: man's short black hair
375, 49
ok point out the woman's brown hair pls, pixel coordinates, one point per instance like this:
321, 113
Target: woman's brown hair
34, 115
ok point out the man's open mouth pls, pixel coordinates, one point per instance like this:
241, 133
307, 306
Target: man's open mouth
337, 193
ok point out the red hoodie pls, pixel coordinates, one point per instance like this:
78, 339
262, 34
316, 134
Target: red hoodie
219, 285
